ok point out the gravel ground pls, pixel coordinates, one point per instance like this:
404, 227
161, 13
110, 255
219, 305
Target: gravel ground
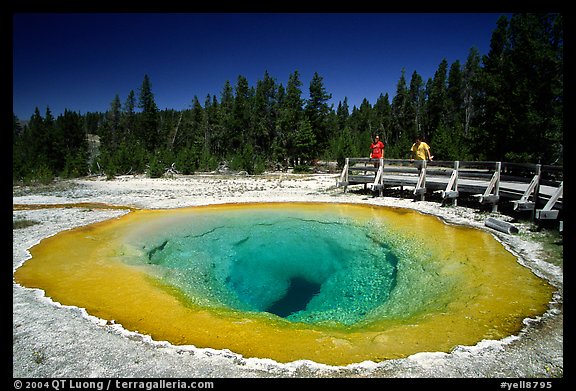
55, 341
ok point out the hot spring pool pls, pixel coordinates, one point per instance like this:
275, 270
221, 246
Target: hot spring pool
332, 283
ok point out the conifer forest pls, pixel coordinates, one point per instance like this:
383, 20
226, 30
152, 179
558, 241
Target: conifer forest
504, 105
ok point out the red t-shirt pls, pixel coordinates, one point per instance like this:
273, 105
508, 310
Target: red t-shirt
377, 150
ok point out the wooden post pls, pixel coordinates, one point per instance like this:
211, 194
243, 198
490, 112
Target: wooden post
497, 186
344, 176
420, 187
423, 180
456, 168
492, 193
346, 167
451, 190
524, 202
547, 213
536, 192
380, 177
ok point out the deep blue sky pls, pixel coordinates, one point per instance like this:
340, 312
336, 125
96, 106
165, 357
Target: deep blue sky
81, 61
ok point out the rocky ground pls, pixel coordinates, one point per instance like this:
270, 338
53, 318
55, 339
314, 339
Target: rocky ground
50, 340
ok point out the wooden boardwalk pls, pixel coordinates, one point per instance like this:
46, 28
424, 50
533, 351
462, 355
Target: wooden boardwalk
534, 187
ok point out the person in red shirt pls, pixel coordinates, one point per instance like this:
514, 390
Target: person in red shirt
377, 150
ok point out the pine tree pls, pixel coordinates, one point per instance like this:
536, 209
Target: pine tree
495, 124
73, 152
36, 140
213, 128
290, 113
365, 125
317, 110
305, 142
400, 113
199, 136
437, 107
383, 118
264, 113
53, 141
19, 165
241, 113
343, 112
344, 147
226, 121
470, 89
128, 118
448, 140
415, 106
148, 131
454, 97
535, 76
113, 117
278, 148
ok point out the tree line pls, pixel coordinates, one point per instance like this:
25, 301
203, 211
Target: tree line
506, 105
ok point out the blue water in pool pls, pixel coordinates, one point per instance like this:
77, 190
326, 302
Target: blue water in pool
302, 267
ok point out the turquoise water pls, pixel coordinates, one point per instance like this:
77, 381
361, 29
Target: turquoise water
334, 283
303, 267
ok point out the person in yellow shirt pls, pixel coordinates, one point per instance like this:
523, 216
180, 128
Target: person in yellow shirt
420, 152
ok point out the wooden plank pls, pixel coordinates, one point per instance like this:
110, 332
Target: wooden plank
523, 205
475, 175
557, 194
344, 174
420, 188
360, 179
450, 194
360, 168
547, 214
489, 199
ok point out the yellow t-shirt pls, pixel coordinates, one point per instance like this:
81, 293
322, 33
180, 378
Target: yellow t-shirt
420, 150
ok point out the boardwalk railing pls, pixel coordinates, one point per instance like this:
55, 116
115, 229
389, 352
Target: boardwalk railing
526, 185
366, 171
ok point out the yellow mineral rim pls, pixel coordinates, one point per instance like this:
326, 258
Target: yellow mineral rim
489, 293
